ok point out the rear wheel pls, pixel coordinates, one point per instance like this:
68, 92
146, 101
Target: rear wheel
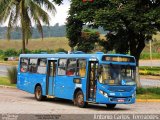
79, 100
111, 106
38, 93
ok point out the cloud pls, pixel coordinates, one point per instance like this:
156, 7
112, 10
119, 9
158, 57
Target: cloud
62, 13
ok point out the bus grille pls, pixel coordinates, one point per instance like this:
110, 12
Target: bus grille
120, 89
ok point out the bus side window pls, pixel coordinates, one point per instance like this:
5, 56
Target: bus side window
24, 65
41, 69
81, 67
62, 66
33, 65
71, 67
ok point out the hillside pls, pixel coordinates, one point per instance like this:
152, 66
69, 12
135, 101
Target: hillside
46, 43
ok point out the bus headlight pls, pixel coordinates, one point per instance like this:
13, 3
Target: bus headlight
103, 93
134, 95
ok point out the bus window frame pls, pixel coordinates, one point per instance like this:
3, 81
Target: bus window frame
58, 66
38, 65
27, 64
67, 68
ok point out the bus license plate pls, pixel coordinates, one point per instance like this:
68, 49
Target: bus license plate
120, 100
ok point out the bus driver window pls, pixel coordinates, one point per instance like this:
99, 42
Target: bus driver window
82, 68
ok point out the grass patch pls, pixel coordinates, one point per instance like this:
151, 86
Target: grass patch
146, 56
148, 93
148, 96
14, 63
35, 44
146, 70
5, 81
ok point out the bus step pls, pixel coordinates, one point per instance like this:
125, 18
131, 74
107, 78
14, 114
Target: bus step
49, 96
91, 100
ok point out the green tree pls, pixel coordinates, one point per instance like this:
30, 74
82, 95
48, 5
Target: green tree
23, 12
87, 40
130, 22
73, 29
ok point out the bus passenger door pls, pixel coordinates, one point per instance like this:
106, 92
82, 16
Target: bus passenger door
92, 82
51, 72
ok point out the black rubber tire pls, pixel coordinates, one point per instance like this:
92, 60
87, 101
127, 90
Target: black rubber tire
38, 93
79, 100
110, 106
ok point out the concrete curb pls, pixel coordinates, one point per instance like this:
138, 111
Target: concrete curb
5, 86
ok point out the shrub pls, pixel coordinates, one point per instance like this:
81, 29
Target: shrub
60, 50
147, 55
155, 90
12, 74
26, 51
50, 51
10, 52
1, 52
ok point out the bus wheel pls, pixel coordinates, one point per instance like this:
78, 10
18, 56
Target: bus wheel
79, 100
38, 93
111, 106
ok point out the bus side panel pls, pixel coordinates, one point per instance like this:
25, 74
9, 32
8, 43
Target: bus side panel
20, 78
59, 86
64, 87
83, 82
33, 80
69, 87
21, 81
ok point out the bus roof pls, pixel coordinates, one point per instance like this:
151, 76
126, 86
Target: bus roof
71, 55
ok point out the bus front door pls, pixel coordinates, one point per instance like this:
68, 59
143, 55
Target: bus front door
51, 72
93, 67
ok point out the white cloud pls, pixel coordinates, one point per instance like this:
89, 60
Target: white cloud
61, 14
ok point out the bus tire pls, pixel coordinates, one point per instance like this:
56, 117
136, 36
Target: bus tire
79, 100
110, 106
38, 93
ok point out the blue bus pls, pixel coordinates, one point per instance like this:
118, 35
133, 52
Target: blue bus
84, 78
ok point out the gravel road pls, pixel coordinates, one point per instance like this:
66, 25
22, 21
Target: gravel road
14, 101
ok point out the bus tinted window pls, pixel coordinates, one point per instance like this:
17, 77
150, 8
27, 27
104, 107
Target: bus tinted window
24, 65
71, 67
33, 65
52, 69
62, 66
81, 67
41, 69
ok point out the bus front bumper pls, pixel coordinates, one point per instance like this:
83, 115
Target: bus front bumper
115, 100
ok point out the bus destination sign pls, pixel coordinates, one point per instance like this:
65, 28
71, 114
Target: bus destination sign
117, 59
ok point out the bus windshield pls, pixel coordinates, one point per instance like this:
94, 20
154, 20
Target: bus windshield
117, 74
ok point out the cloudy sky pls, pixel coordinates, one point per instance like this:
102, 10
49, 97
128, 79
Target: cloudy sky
62, 13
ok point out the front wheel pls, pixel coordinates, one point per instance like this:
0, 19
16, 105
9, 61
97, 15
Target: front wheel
111, 106
38, 93
79, 100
